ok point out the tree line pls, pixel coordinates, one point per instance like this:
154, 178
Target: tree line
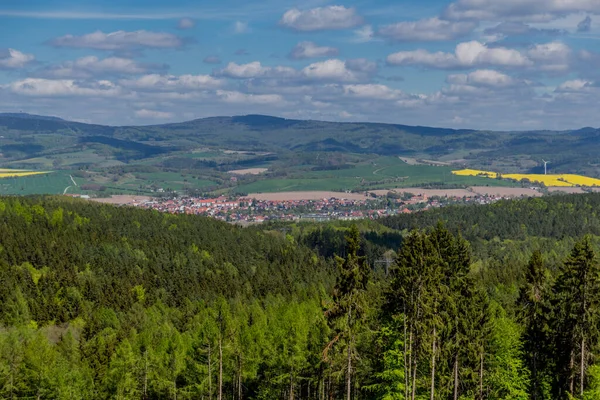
105, 302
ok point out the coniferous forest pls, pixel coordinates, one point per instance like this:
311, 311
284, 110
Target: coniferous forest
467, 302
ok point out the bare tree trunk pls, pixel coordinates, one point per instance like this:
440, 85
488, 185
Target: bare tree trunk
209, 374
12, 382
414, 379
240, 378
145, 391
456, 377
220, 369
414, 357
291, 385
534, 374
582, 367
481, 376
407, 360
571, 375
329, 384
322, 388
349, 377
433, 351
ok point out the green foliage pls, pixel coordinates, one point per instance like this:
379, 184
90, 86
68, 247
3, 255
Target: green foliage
507, 377
593, 391
576, 317
106, 302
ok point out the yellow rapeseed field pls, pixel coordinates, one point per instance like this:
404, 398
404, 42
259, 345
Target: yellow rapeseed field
475, 172
564, 180
17, 173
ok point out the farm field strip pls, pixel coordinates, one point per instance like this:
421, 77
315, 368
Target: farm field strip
17, 173
556, 180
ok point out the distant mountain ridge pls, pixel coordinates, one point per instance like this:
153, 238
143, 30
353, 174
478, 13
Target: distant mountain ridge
30, 116
28, 136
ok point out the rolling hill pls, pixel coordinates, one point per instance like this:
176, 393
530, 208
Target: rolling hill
27, 136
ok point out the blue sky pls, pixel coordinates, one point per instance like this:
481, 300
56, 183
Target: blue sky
487, 64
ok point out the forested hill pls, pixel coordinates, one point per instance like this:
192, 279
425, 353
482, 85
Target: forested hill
550, 217
98, 301
27, 136
102, 302
68, 257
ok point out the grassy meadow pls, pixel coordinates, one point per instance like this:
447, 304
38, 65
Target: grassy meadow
379, 173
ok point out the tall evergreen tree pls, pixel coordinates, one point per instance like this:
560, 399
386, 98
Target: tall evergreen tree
437, 300
577, 303
348, 309
534, 309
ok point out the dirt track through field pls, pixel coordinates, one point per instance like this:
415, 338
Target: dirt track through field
505, 191
249, 171
469, 192
296, 196
428, 192
122, 199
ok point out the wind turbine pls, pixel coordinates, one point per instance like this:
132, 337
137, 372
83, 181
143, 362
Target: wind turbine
545, 166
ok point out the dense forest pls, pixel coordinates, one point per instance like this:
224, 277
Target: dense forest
476, 302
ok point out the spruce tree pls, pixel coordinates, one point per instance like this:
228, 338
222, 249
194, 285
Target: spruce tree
533, 305
348, 309
577, 303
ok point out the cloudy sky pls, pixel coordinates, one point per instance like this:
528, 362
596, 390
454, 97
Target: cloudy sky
487, 64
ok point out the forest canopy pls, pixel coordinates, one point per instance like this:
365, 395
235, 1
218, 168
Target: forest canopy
478, 302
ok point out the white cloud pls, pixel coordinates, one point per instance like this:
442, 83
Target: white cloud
144, 113
514, 28
186, 23
240, 27
305, 50
362, 65
483, 77
120, 40
255, 70
92, 66
156, 82
576, 85
364, 34
63, 87
13, 59
330, 70
466, 55
551, 57
321, 18
423, 58
518, 10
372, 91
245, 98
427, 30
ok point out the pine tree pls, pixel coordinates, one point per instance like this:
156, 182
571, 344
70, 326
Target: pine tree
417, 294
577, 304
348, 309
533, 304
433, 293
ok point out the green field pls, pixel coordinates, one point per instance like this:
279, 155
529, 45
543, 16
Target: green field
367, 174
51, 183
170, 180
381, 173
